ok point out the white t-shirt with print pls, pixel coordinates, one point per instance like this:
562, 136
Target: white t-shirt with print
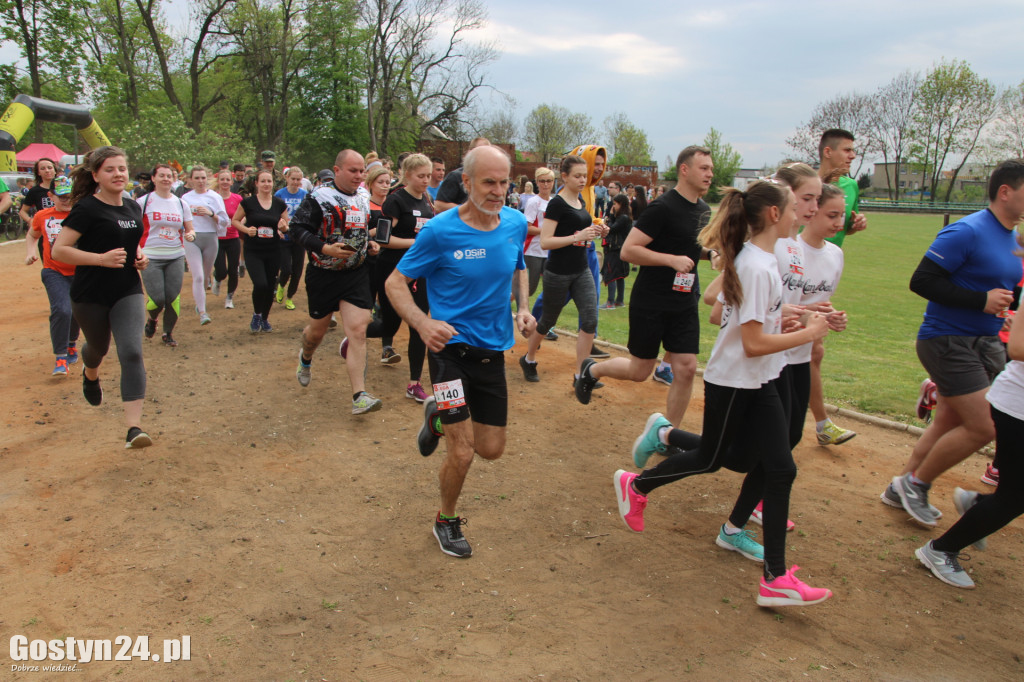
729, 365
164, 220
809, 275
217, 223
534, 213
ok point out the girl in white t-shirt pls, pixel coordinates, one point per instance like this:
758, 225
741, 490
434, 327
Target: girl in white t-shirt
211, 221
745, 426
167, 223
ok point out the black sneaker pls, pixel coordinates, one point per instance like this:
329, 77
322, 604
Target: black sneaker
137, 438
449, 536
529, 370
551, 336
150, 328
596, 352
91, 390
585, 384
599, 384
430, 432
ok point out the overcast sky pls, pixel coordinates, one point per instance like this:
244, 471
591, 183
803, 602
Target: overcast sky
753, 69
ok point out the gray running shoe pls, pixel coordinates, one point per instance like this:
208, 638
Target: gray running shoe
892, 498
944, 566
365, 403
449, 536
964, 500
303, 372
915, 500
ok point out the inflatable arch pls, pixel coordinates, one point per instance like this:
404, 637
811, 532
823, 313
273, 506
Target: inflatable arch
24, 109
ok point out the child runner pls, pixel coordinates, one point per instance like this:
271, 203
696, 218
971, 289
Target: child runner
101, 237
57, 276
741, 397
165, 219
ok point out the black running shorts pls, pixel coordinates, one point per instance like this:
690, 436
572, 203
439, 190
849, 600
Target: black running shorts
482, 376
678, 331
326, 289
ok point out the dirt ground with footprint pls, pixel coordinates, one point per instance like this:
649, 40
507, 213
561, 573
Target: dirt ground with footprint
291, 540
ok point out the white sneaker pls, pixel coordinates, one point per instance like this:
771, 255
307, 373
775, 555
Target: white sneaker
228, 303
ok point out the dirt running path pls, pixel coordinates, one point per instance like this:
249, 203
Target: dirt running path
291, 540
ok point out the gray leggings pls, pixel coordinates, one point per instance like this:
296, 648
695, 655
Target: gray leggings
535, 266
124, 320
558, 289
163, 285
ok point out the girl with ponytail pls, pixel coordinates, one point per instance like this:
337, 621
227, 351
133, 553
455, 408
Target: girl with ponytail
745, 426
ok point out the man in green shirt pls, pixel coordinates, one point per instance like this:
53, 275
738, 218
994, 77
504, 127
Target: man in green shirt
5, 197
836, 153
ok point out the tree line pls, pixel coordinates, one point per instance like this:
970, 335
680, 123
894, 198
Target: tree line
927, 123
246, 75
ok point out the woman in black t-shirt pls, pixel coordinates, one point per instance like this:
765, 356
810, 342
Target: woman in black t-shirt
260, 218
565, 232
101, 237
409, 209
38, 197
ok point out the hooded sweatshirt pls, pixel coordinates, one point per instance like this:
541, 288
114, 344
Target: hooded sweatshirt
588, 152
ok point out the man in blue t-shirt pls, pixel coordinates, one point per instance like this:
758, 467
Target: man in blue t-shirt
468, 257
967, 275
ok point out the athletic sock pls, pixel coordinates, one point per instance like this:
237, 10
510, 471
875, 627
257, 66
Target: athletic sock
731, 531
355, 396
307, 363
917, 481
663, 434
446, 518
820, 426
663, 365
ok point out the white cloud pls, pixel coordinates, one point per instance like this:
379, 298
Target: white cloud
625, 53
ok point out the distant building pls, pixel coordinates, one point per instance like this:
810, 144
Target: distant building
907, 177
745, 177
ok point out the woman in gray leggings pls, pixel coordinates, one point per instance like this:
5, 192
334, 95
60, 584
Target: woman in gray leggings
566, 229
166, 219
101, 238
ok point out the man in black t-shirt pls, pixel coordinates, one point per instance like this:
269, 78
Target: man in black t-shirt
663, 303
452, 193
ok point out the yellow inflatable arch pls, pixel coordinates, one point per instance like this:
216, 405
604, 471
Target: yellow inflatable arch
24, 109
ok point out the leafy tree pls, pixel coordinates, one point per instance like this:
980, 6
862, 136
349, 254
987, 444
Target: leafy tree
727, 161
955, 105
853, 112
420, 70
1007, 138
551, 130
895, 106
500, 127
43, 32
629, 144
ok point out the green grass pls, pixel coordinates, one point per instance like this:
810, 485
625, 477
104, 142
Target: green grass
872, 366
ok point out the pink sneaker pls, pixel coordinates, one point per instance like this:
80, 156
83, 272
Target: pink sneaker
991, 475
756, 517
415, 391
787, 590
631, 503
926, 400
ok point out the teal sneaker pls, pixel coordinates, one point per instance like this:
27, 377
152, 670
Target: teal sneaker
742, 542
648, 443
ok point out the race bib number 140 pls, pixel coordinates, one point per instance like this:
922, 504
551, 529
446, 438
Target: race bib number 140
449, 394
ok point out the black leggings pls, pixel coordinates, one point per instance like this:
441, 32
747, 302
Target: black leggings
743, 428
994, 511
262, 267
795, 389
226, 264
292, 258
389, 321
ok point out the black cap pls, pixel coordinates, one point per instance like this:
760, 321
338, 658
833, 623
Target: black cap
326, 175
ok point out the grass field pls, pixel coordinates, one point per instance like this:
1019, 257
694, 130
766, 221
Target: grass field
872, 366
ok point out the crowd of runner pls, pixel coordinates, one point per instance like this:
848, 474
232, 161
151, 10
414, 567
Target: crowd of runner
449, 254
